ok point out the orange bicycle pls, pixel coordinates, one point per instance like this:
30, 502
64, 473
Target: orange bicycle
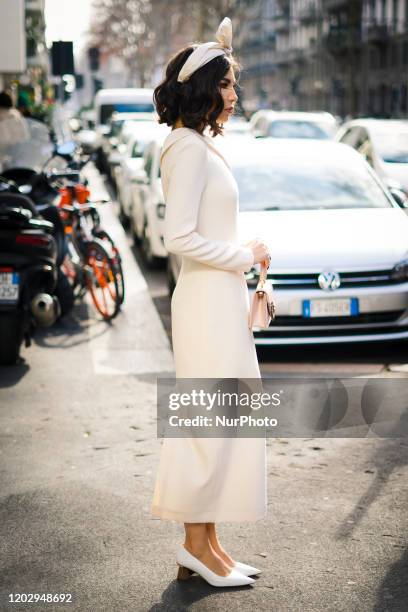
92, 263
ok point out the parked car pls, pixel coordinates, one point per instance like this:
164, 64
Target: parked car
147, 206
288, 124
120, 127
133, 142
338, 242
238, 125
83, 128
122, 100
384, 144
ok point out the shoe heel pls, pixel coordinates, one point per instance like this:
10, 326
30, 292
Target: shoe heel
184, 573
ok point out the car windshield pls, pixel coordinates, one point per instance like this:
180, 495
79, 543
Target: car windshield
32, 153
392, 146
140, 107
139, 147
281, 185
296, 129
115, 127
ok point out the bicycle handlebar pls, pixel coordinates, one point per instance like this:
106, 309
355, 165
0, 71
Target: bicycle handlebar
72, 174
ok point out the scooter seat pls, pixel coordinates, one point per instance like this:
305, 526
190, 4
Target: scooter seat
16, 200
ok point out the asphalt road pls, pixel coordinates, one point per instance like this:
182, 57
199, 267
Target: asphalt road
78, 455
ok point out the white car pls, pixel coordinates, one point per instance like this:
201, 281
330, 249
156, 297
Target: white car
290, 124
129, 170
338, 242
119, 145
147, 208
238, 125
384, 144
121, 100
85, 135
119, 125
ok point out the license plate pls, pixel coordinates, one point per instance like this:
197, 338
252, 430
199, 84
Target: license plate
339, 307
9, 283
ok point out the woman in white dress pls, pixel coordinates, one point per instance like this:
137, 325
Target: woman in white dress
203, 481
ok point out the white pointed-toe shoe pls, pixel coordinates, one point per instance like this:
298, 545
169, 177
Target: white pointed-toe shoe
245, 569
190, 564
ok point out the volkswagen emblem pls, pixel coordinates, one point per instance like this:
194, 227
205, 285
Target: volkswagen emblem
329, 280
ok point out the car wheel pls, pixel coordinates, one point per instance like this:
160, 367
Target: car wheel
136, 239
150, 259
100, 161
123, 218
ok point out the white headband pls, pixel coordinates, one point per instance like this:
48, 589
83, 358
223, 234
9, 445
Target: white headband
205, 52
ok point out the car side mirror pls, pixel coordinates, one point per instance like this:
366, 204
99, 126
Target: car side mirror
400, 197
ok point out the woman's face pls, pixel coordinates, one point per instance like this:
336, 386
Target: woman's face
229, 96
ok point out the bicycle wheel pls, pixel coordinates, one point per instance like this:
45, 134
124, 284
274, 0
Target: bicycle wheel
116, 259
101, 281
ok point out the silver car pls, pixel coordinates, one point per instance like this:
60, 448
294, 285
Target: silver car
337, 237
291, 124
384, 144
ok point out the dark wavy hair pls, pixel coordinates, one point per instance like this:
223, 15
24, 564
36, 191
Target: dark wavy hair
197, 101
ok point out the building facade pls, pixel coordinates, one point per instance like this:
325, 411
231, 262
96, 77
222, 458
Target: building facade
349, 57
24, 36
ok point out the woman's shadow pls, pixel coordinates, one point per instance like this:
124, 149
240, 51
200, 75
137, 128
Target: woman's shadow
180, 595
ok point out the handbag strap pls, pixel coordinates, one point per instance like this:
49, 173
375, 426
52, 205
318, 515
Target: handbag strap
263, 273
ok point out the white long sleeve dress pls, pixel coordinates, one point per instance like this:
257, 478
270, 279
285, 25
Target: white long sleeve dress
208, 479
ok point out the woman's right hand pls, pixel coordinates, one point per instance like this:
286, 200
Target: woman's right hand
260, 251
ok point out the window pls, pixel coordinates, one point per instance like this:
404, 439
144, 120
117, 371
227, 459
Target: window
395, 15
392, 146
307, 185
260, 125
394, 54
350, 136
405, 53
296, 129
362, 137
137, 149
366, 149
383, 10
107, 110
148, 166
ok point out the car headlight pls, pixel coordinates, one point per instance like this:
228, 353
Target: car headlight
400, 271
160, 210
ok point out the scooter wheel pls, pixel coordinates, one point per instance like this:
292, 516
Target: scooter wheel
64, 293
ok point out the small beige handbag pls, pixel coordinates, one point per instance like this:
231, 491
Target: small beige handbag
262, 307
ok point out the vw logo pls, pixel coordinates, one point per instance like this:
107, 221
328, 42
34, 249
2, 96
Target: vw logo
329, 280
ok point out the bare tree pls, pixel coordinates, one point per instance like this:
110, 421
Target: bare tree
142, 31
123, 28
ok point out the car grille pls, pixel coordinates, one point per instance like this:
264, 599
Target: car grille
364, 318
372, 278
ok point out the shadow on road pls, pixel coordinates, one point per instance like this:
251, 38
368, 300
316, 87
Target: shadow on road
180, 596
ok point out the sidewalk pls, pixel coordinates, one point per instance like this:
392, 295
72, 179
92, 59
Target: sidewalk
78, 462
